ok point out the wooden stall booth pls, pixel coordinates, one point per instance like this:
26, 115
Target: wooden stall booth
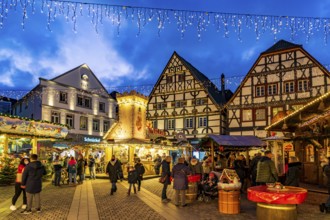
21, 135
309, 129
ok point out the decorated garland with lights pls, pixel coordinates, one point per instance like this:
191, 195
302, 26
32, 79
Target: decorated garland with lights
184, 19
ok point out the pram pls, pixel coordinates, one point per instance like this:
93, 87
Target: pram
208, 188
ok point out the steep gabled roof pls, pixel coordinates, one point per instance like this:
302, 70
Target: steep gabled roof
209, 86
78, 67
281, 45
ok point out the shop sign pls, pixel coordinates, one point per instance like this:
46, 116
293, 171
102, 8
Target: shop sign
20, 126
92, 139
288, 146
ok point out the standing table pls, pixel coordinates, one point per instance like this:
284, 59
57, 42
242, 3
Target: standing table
279, 204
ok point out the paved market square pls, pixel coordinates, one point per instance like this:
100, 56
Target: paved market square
92, 201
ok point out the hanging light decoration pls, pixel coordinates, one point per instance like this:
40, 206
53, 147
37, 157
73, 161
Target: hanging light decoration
201, 21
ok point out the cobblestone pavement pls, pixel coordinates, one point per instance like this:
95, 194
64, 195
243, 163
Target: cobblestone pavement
55, 204
120, 205
209, 211
7, 192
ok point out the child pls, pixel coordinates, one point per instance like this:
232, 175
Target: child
132, 179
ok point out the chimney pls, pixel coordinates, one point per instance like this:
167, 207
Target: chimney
223, 86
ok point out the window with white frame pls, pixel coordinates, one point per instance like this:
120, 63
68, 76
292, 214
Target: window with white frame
202, 121
106, 126
83, 123
289, 87
96, 125
247, 115
260, 91
161, 105
101, 106
63, 97
84, 101
303, 85
69, 120
180, 104
170, 124
189, 123
272, 89
260, 114
55, 118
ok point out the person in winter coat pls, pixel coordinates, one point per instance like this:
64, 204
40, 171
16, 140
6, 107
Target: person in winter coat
140, 171
18, 182
195, 167
132, 179
113, 170
325, 207
57, 169
81, 169
253, 168
32, 183
166, 172
294, 172
180, 174
157, 163
72, 170
266, 170
240, 170
91, 166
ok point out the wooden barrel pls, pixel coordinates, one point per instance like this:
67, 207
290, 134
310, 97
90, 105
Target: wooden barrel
229, 202
276, 212
191, 192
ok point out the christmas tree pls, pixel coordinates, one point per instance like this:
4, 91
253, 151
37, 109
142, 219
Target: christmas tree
7, 170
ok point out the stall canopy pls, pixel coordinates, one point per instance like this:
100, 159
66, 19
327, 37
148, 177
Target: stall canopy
237, 141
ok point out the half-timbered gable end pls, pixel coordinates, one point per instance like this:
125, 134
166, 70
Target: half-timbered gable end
282, 79
185, 100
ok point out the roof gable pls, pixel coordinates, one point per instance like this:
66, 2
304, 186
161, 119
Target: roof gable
82, 77
207, 84
281, 45
278, 48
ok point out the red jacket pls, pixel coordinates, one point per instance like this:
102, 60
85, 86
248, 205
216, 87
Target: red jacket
19, 173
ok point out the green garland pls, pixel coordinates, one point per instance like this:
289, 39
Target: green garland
29, 119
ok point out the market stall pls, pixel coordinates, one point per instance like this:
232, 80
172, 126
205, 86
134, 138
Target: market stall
21, 135
309, 131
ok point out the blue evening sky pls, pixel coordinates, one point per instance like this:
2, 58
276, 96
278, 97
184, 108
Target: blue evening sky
128, 59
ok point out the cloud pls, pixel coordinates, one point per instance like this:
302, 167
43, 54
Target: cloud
248, 54
70, 50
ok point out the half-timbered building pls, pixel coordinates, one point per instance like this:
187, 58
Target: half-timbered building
282, 79
185, 101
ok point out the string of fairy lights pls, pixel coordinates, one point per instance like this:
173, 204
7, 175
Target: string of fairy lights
201, 21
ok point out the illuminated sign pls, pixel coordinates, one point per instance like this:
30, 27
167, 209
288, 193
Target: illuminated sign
92, 139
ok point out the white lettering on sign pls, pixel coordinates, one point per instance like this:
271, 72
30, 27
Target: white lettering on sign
94, 140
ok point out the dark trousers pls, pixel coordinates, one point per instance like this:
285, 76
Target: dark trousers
57, 177
327, 204
18, 191
37, 200
164, 191
139, 183
130, 187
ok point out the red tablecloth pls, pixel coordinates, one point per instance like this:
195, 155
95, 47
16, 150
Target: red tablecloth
288, 195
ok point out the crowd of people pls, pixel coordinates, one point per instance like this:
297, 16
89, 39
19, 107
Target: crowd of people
258, 171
